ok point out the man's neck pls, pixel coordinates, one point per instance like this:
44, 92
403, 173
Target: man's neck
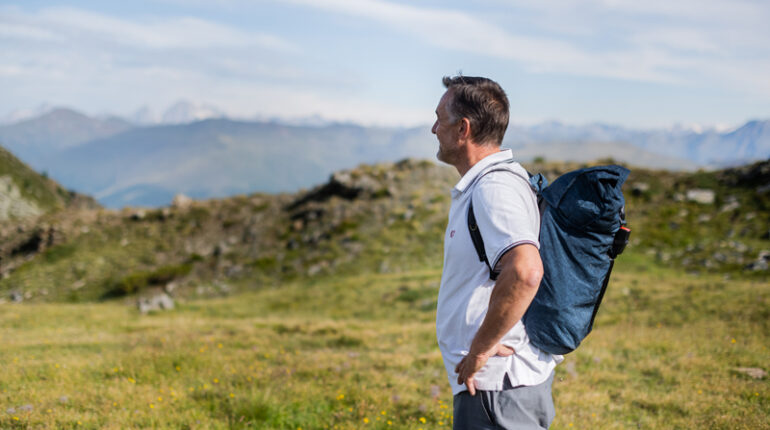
475, 154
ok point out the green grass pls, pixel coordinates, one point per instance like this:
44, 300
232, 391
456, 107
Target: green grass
332, 322
359, 351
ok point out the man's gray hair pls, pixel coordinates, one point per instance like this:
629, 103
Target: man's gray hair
483, 102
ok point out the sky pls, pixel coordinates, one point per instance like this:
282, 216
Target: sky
641, 64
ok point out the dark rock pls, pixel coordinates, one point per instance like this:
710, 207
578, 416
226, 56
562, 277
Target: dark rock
704, 218
702, 196
138, 215
157, 302
348, 185
234, 271
181, 201
754, 372
756, 176
639, 188
17, 297
761, 263
730, 206
31, 244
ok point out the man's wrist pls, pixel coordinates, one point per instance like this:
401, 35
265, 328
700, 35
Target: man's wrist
476, 352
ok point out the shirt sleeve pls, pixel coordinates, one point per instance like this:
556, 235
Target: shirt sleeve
506, 212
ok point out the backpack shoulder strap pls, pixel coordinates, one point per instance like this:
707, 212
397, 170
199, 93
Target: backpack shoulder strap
478, 242
536, 182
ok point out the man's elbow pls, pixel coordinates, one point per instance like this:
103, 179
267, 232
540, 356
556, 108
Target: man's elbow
524, 266
530, 277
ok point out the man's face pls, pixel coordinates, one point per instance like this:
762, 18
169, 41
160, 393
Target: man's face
446, 130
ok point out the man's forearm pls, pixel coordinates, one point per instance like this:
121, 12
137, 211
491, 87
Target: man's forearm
513, 292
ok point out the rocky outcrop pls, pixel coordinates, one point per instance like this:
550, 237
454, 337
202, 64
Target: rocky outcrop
348, 185
12, 204
761, 263
181, 201
755, 176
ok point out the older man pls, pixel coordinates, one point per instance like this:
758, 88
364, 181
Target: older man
499, 380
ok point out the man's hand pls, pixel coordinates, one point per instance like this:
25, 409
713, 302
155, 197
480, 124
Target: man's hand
472, 363
520, 272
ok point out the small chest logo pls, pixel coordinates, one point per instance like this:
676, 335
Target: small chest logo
452, 234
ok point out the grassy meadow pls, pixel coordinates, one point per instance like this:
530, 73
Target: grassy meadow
359, 351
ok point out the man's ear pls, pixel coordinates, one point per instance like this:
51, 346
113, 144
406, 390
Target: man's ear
465, 128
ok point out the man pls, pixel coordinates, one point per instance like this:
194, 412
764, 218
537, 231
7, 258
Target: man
499, 380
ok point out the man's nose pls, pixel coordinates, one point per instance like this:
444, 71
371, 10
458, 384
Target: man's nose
433, 130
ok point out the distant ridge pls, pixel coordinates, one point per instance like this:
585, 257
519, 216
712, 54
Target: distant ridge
704, 148
591, 151
56, 130
221, 157
123, 164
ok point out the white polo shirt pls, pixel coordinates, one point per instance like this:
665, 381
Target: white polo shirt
507, 215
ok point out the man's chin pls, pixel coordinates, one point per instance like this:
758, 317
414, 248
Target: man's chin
440, 156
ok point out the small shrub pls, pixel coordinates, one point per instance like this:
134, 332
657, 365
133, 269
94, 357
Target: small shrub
59, 252
137, 281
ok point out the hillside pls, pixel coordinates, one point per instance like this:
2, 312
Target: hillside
26, 194
376, 218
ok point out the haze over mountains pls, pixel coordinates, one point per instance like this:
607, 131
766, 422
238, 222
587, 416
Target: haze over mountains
195, 150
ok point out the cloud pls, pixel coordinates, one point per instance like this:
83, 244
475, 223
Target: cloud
658, 41
311, 60
100, 63
462, 31
69, 24
56, 43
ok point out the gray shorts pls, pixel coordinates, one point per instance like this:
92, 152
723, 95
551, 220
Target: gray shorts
512, 408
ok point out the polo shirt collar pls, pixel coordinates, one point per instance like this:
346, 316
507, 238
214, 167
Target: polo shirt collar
470, 175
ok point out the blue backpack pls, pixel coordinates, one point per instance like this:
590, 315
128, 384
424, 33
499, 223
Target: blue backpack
582, 230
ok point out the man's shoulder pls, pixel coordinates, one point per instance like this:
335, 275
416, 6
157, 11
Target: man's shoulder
509, 175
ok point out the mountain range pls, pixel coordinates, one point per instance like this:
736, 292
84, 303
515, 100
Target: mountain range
142, 162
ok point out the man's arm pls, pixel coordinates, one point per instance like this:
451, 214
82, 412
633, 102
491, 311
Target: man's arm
521, 271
